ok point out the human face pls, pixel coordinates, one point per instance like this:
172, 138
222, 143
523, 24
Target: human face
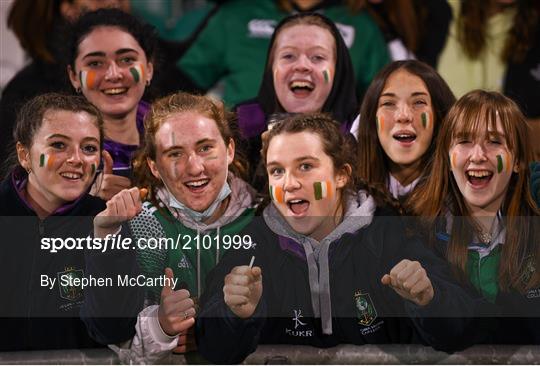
405, 120
297, 168
192, 159
111, 69
303, 68
482, 167
62, 159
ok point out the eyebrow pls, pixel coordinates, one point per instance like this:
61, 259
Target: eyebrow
300, 159
59, 135
200, 142
414, 94
121, 51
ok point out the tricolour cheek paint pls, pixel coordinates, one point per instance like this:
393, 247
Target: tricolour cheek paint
46, 160
453, 160
503, 163
322, 190
380, 123
137, 72
326, 75
426, 121
88, 79
93, 169
276, 194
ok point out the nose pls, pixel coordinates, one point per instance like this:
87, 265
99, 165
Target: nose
74, 157
404, 113
478, 154
195, 165
291, 183
113, 72
302, 63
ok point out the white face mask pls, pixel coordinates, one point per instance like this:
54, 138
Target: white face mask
196, 215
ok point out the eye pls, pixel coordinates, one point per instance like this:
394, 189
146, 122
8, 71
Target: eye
495, 141
287, 56
463, 141
94, 64
276, 171
205, 148
420, 102
174, 154
128, 60
90, 149
387, 103
58, 145
304, 167
317, 58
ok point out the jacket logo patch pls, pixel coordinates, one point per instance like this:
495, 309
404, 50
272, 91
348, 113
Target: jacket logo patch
66, 279
365, 310
298, 324
261, 28
183, 263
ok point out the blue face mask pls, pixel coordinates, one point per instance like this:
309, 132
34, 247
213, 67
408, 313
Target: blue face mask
196, 215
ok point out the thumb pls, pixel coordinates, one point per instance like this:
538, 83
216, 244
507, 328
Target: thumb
386, 280
167, 289
256, 272
107, 162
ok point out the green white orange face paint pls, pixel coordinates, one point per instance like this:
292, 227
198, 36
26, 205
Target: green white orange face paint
92, 169
380, 123
426, 120
276, 194
503, 163
453, 160
46, 161
87, 79
326, 75
322, 190
137, 71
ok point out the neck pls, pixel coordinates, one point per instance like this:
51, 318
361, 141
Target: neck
405, 174
122, 129
328, 225
41, 205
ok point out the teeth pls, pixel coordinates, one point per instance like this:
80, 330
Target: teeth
114, 91
404, 136
198, 183
478, 173
295, 201
302, 84
71, 175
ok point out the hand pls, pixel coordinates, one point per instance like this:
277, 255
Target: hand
107, 184
186, 342
409, 279
243, 290
176, 313
122, 207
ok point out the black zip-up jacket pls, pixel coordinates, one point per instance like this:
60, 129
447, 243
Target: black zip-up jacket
363, 310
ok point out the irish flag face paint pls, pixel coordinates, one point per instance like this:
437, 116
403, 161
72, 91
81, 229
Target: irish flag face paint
46, 160
380, 123
326, 75
276, 194
88, 79
93, 169
426, 120
503, 163
137, 72
453, 160
322, 190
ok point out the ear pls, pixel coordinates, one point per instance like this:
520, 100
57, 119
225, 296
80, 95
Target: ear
230, 152
153, 168
516, 167
342, 176
149, 71
23, 155
73, 78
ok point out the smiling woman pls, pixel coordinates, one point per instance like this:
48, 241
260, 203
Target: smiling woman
58, 149
110, 63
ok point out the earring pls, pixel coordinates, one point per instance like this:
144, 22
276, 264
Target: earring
147, 82
28, 170
78, 90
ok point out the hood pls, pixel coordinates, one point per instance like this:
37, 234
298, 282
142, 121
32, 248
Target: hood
359, 214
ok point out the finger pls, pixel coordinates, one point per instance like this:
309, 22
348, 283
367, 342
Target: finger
414, 278
107, 162
182, 339
238, 280
241, 270
398, 268
256, 273
235, 300
168, 289
386, 280
176, 297
143, 192
236, 290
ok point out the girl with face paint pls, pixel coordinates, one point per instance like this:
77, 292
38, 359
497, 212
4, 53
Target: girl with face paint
196, 196
399, 123
324, 257
45, 196
111, 64
477, 200
308, 69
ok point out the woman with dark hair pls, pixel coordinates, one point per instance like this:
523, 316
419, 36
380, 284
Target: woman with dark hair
110, 61
400, 119
45, 197
478, 211
325, 269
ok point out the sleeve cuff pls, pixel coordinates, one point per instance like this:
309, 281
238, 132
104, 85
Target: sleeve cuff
155, 329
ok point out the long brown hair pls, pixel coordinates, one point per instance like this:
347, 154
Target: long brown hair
472, 22
473, 114
168, 106
373, 165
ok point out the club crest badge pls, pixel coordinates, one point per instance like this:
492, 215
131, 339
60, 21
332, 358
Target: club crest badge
365, 310
68, 290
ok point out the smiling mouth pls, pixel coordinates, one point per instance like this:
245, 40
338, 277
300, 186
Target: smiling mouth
71, 176
197, 185
479, 178
115, 91
298, 206
301, 87
405, 137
